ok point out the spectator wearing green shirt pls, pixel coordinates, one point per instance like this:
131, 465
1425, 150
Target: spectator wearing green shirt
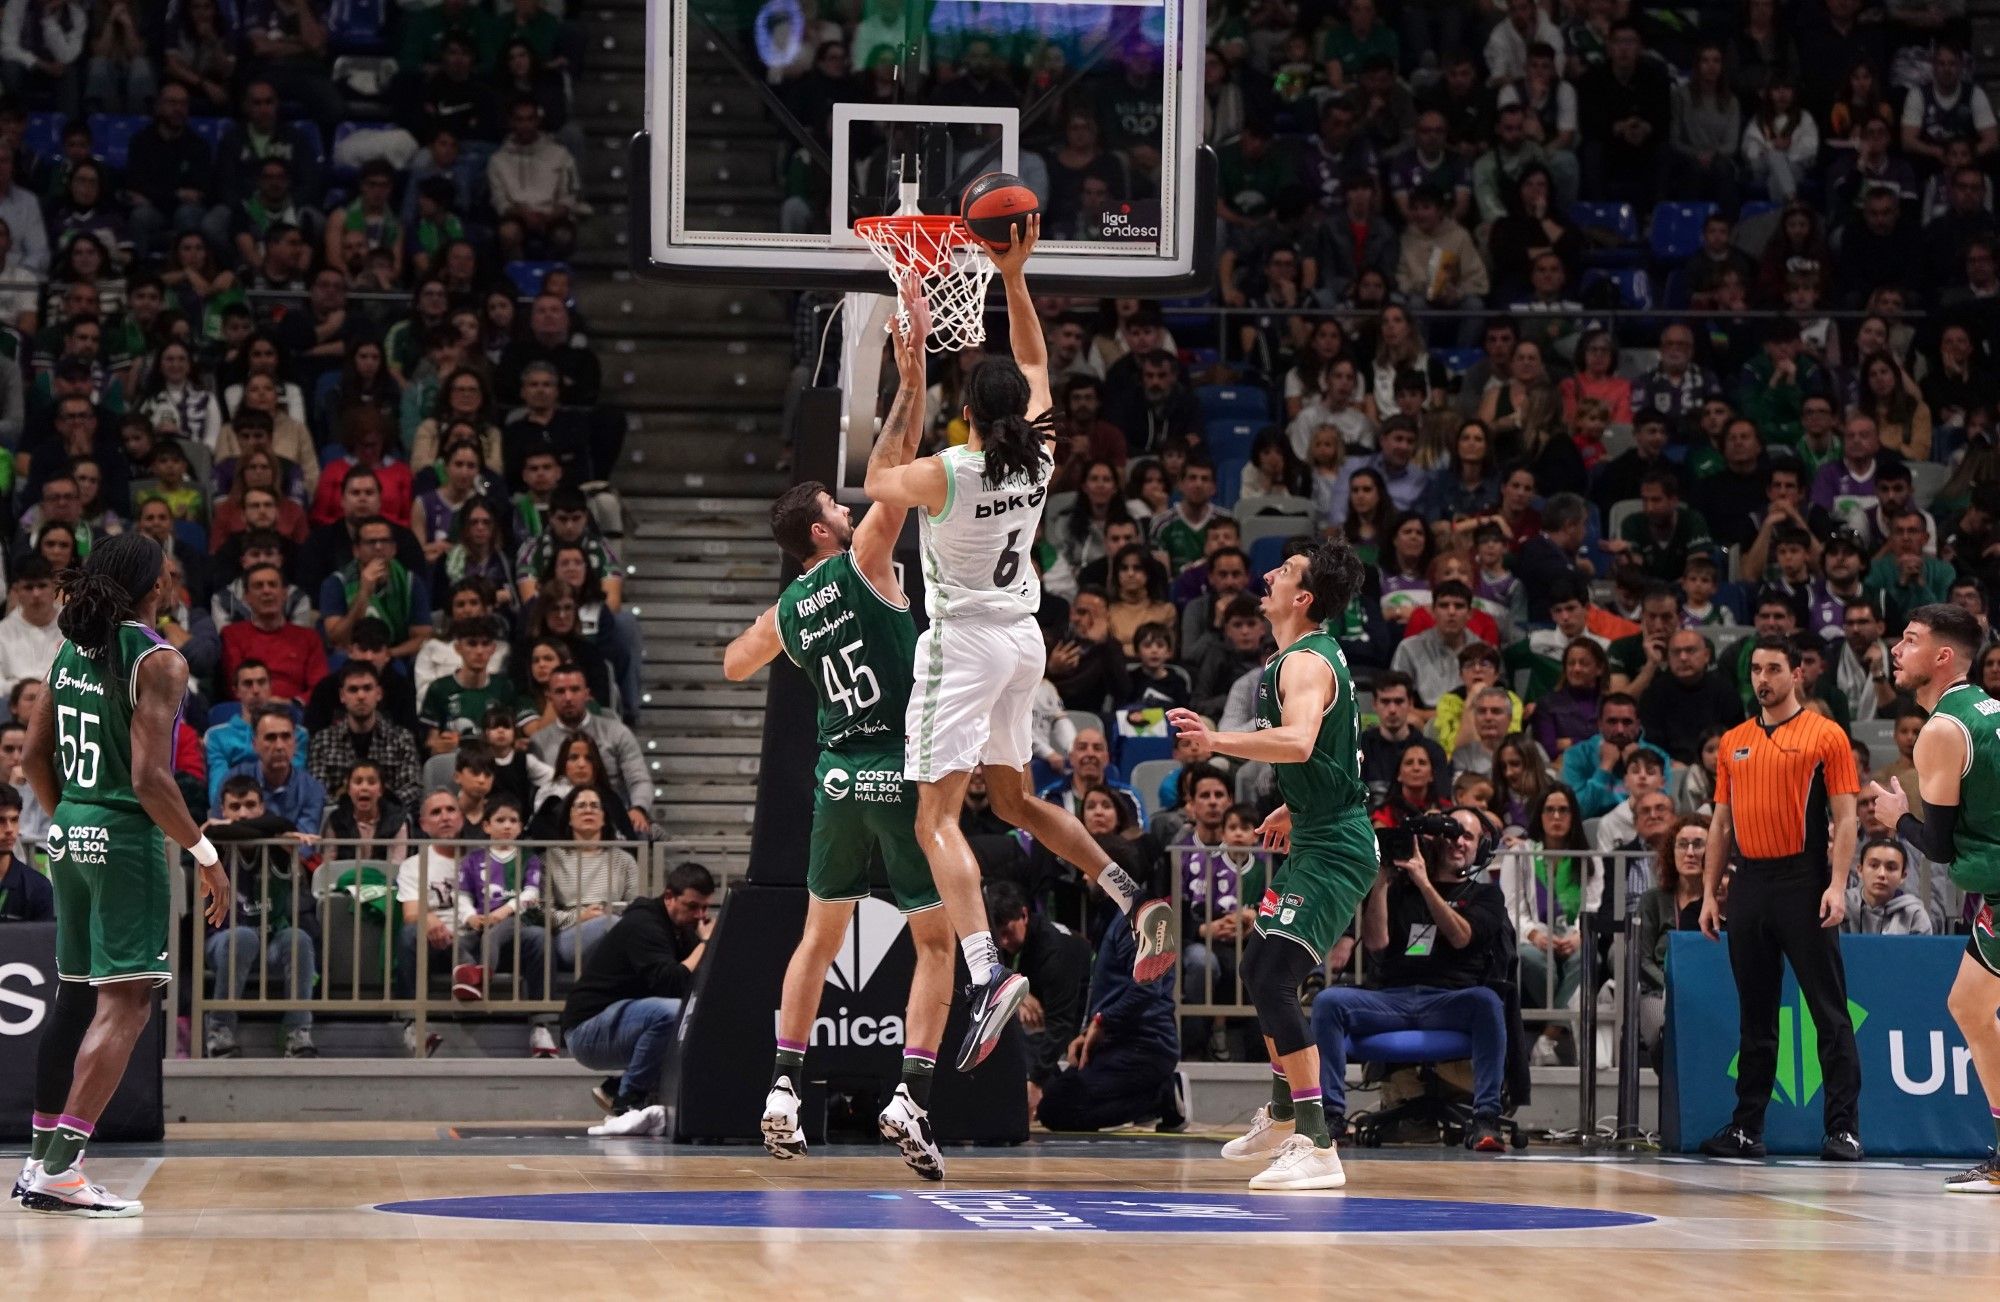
1773, 386
425, 29
1344, 47
1638, 659
1252, 171
1660, 536
455, 706
535, 27
1819, 433
1906, 577
1182, 533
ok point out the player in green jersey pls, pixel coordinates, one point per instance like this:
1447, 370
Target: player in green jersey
1307, 728
846, 622
108, 720
1958, 777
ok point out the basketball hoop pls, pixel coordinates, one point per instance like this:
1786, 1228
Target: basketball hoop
953, 266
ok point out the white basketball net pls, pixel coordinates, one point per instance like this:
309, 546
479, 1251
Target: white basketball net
954, 268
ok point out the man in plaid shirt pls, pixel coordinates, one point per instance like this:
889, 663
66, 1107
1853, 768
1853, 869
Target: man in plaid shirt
363, 733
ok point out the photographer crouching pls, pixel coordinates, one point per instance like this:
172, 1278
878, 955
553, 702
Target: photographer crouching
1434, 936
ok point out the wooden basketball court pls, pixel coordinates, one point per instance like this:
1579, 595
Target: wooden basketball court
268, 1212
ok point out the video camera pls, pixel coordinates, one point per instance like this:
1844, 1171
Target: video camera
1430, 829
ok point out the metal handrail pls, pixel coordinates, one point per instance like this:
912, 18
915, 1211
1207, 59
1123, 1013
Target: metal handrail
1613, 914
652, 860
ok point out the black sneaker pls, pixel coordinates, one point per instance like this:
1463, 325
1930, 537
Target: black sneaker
992, 1006
605, 1093
1732, 1141
1336, 1126
1173, 1105
1841, 1146
1483, 1136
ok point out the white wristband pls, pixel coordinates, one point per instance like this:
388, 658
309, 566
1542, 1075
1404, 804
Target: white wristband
204, 853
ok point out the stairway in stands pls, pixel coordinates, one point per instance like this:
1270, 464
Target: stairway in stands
702, 375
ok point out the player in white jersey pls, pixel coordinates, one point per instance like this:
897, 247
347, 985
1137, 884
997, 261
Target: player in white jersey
981, 659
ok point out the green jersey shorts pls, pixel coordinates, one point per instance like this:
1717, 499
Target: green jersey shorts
863, 802
1315, 893
113, 895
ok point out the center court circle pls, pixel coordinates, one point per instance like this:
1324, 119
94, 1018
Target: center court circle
988, 1210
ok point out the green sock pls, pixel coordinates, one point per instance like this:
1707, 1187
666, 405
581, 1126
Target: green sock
918, 1068
65, 1149
791, 1063
1281, 1096
1312, 1119
38, 1146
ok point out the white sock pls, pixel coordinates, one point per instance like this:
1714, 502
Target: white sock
1118, 884
981, 956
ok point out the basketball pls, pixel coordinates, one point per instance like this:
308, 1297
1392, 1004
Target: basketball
994, 204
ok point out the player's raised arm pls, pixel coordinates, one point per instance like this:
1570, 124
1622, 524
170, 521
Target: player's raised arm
875, 537
1024, 326
1307, 686
753, 648
894, 479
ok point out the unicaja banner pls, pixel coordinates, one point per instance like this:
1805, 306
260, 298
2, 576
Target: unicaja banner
27, 991
1919, 1096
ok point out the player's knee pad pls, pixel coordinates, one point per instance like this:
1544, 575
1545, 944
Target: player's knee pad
1272, 973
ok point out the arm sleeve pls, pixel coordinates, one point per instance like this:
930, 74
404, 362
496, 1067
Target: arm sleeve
1933, 837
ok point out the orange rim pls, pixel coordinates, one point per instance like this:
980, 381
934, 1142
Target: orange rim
919, 241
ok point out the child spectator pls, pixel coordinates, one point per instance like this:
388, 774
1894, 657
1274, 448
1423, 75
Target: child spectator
517, 771
1877, 905
1495, 590
169, 466
1155, 679
1475, 789
499, 893
472, 773
1909, 722
1587, 431
1698, 587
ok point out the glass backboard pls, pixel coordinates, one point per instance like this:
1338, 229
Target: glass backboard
771, 125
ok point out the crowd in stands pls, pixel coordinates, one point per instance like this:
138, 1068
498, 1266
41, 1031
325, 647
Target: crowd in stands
1606, 342
313, 333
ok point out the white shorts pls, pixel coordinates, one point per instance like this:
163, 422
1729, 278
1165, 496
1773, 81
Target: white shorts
974, 697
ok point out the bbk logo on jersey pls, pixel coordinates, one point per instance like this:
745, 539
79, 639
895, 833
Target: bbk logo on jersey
1011, 502
88, 847
872, 933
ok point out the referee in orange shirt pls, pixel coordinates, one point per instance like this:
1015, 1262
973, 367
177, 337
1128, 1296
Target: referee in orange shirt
1779, 779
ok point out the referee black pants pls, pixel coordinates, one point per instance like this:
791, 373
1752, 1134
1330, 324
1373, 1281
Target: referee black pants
1774, 917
